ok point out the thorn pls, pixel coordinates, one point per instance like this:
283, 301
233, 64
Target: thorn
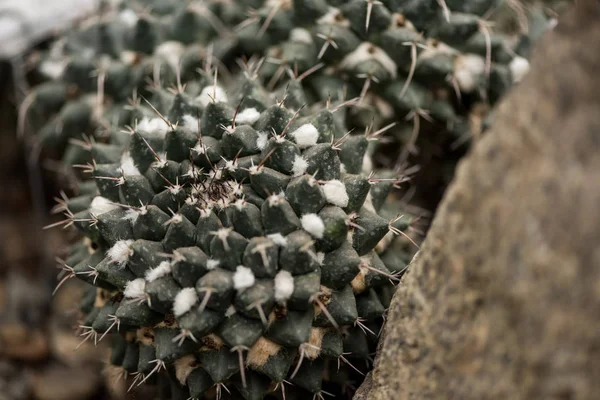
363, 327
268, 20
302, 354
158, 113
413, 66
240, 350
88, 333
315, 299
345, 360
370, 4
445, 10
159, 365
115, 321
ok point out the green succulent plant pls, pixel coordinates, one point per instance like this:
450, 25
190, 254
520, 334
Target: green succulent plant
237, 238
439, 62
243, 249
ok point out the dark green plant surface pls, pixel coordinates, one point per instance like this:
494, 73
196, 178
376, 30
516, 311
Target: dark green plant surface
434, 68
248, 256
237, 236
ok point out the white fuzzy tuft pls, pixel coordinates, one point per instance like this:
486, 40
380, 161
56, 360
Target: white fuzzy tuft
128, 17
211, 93
190, 123
261, 141
519, 67
128, 167
300, 165
153, 125
101, 205
135, 289
305, 136
131, 215
212, 264
335, 193
171, 52
52, 68
249, 116
468, 70
243, 278
163, 269
184, 301
284, 286
278, 239
366, 52
313, 224
120, 252
301, 35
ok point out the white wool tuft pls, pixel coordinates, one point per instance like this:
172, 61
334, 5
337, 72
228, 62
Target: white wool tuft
52, 68
261, 141
128, 167
171, 52
184, 301
305, 136
206, 96
284, 286
135, 289
190, 123
243, 278
120, 252
131, 215
128, 57
128, 17
366, 52
163, 269
101, 205
300, 165
468, 69
153, 125
342, 168
212, 264
313, 224
519, 67
248, 116
278, 238
301, 35
335, 193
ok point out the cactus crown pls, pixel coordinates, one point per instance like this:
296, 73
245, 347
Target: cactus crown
235, 242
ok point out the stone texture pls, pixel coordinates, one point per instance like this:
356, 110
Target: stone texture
503, 301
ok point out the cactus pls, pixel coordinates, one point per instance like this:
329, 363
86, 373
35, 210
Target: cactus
441, 62
237, 244
236, 236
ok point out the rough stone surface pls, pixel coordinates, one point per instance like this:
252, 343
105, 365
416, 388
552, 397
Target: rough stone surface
503, 301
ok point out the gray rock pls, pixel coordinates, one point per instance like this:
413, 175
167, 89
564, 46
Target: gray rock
503, 301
